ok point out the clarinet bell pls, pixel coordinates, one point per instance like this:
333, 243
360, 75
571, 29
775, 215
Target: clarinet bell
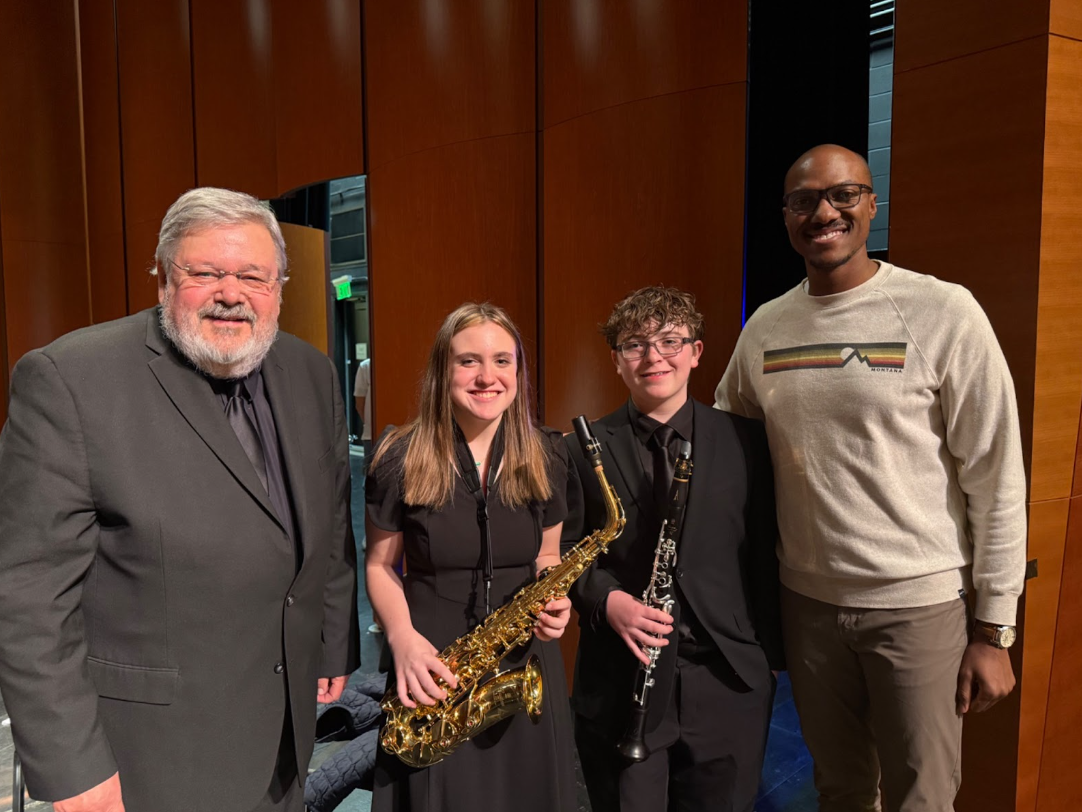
633, 746
635, 751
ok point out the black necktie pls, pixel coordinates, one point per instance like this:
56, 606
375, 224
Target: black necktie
663, 464
241, 414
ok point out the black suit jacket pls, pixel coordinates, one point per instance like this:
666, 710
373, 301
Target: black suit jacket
153, 617
727, 564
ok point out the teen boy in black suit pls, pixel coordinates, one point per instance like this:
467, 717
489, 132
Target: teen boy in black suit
709, 708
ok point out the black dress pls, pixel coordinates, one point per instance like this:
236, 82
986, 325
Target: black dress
515, 764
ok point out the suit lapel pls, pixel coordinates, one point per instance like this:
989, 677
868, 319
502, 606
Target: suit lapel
279, 385
197, 403
620, 442
703, 451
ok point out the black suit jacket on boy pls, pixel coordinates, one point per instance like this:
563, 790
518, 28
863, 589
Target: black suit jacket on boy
727, 566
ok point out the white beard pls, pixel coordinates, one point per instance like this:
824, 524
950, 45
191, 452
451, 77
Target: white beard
237, 362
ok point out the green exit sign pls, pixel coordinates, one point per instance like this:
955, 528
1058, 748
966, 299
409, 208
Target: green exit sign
343, 287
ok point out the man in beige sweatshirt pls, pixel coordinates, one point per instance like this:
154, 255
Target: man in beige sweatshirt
893, 430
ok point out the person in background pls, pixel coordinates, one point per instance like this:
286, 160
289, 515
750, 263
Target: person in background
893, 427
177, 568
709, 707
362, 387
473, 451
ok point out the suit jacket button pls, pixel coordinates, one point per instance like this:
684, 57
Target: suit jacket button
680, 573
290, 600
279, 668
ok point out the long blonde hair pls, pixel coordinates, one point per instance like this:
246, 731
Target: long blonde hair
428, 470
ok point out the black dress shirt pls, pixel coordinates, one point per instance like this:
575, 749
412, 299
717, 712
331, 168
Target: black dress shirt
263, 417
694, 642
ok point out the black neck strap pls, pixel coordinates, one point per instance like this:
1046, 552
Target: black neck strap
469, 469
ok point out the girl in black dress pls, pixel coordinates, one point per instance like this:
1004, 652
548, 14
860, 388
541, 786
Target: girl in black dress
474, 412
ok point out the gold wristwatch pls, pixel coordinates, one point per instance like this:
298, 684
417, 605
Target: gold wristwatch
998, 636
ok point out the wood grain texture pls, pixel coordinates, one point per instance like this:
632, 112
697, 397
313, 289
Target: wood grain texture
101, 149
640, 194
306, 299
232, 90
1065, 18
931, 31
974, 127
40, 149
42, 220
318, 103
1076, 490
442, 72
45, 289
157, 133
600, 54
1058, 383
277, 91
1060, 785
447, 226
1047, 534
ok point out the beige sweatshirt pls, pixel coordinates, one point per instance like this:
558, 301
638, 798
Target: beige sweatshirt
894, 434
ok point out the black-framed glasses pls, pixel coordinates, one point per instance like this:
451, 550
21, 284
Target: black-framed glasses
633, 350
205, 276
842, 196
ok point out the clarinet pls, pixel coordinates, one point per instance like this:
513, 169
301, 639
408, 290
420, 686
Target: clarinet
658, 595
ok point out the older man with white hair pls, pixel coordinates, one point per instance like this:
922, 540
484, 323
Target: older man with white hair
177, 569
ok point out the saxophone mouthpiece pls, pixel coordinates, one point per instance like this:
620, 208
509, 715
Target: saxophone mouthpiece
590, 446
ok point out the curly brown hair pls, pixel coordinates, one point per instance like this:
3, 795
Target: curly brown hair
650, 309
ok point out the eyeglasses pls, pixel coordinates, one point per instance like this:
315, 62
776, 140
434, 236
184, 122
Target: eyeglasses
204, 276
843, 196
633, 350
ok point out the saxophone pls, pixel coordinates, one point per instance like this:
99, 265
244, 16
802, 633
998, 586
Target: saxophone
427, 734
658, 595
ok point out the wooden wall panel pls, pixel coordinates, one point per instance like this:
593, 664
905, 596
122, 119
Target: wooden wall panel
600, 54
449, 225
1076, 489
277, 92
441, 72
1058, 389
1060, 787
101, 149
306, 298
42, 220
1065, 18
452, 177
643, 180
950, 133
153, 46
936, 32
640, 194
232, 80
317, 91
1047, 530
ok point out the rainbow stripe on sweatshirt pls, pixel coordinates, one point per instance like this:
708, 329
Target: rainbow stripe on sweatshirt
874, 355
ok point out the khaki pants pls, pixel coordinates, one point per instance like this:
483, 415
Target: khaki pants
875, 691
